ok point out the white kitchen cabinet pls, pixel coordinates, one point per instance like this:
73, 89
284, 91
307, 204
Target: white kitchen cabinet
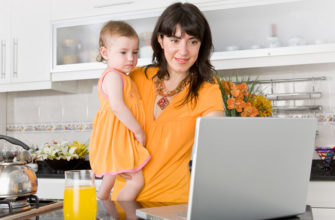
323, 213
225, 4
25, 34
321, 194
54, 188
4, 37
222, 16
64, 9
321, 197
280, 56
75, 47
3, 113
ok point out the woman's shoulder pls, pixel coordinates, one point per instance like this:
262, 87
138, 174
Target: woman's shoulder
208, 87
143, 72
210, 98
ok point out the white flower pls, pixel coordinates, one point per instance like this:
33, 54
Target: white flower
63, 150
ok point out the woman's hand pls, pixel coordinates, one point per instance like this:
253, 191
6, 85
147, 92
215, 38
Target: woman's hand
125, 176
141, 137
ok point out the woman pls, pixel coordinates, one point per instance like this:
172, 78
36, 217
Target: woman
175, 90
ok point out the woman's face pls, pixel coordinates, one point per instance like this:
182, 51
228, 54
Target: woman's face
180, 51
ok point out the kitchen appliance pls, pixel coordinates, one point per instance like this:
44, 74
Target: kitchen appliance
16, 179
26, 207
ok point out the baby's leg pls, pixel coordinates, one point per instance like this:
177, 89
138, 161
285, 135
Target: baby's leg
106, 186
132, 188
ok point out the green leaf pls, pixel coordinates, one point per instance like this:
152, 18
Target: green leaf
223, 94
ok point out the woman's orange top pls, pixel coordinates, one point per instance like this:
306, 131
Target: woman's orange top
113, 147
169, 139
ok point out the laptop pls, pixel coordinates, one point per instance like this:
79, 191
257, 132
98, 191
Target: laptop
246, 168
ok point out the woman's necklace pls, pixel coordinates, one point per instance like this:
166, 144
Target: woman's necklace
162, 91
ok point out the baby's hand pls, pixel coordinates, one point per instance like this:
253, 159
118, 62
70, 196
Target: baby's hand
140, 136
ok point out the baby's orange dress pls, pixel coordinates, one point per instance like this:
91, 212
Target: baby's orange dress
113, 147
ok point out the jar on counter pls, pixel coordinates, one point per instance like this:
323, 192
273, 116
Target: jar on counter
70, 51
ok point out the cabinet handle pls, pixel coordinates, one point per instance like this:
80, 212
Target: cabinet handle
3, 59
15, 57
113, 4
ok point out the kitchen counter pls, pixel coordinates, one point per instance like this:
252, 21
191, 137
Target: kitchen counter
120, 210
317, 171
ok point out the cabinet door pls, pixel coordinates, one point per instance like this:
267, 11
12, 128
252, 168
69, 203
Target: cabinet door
30, 40
4, 40
222, 4
3, 113
64, 9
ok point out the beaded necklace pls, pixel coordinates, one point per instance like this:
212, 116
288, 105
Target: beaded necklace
162, 91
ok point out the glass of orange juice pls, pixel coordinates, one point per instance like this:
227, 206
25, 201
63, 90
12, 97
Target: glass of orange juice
79, 195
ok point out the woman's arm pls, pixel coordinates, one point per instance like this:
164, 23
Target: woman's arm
113, 87
216, 113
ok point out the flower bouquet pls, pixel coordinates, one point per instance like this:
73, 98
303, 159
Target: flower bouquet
63, 156
240, 99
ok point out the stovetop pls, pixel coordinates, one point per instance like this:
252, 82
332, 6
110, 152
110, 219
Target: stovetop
11, 207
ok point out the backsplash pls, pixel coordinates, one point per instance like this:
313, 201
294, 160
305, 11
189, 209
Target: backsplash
49, 127
36, 117
326, 125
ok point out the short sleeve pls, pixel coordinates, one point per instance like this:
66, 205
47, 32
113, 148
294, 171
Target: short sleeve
137, 75
210, 99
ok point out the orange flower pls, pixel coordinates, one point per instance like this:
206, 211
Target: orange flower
240, 96
239, 105
240, 100
231, 103
235, 92
243, 88
249, 111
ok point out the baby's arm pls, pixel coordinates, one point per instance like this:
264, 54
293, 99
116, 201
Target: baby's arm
113, 87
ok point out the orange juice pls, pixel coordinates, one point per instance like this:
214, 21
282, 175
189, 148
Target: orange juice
80, 203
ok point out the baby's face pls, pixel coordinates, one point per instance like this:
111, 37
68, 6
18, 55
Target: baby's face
121, 52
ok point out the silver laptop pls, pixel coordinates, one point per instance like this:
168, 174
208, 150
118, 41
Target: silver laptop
246, 168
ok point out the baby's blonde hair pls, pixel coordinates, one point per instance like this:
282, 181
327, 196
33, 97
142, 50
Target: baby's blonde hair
111, 28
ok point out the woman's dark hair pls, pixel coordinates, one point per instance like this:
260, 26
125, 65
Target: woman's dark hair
111, 28
193, 22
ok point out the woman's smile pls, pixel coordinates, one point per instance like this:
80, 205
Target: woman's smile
181, 60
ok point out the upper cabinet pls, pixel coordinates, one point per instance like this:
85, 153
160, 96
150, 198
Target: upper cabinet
64, 9
226, 4
246, 33
75, 47
25, 34
4, 37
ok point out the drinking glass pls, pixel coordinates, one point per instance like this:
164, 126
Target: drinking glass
80, 201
